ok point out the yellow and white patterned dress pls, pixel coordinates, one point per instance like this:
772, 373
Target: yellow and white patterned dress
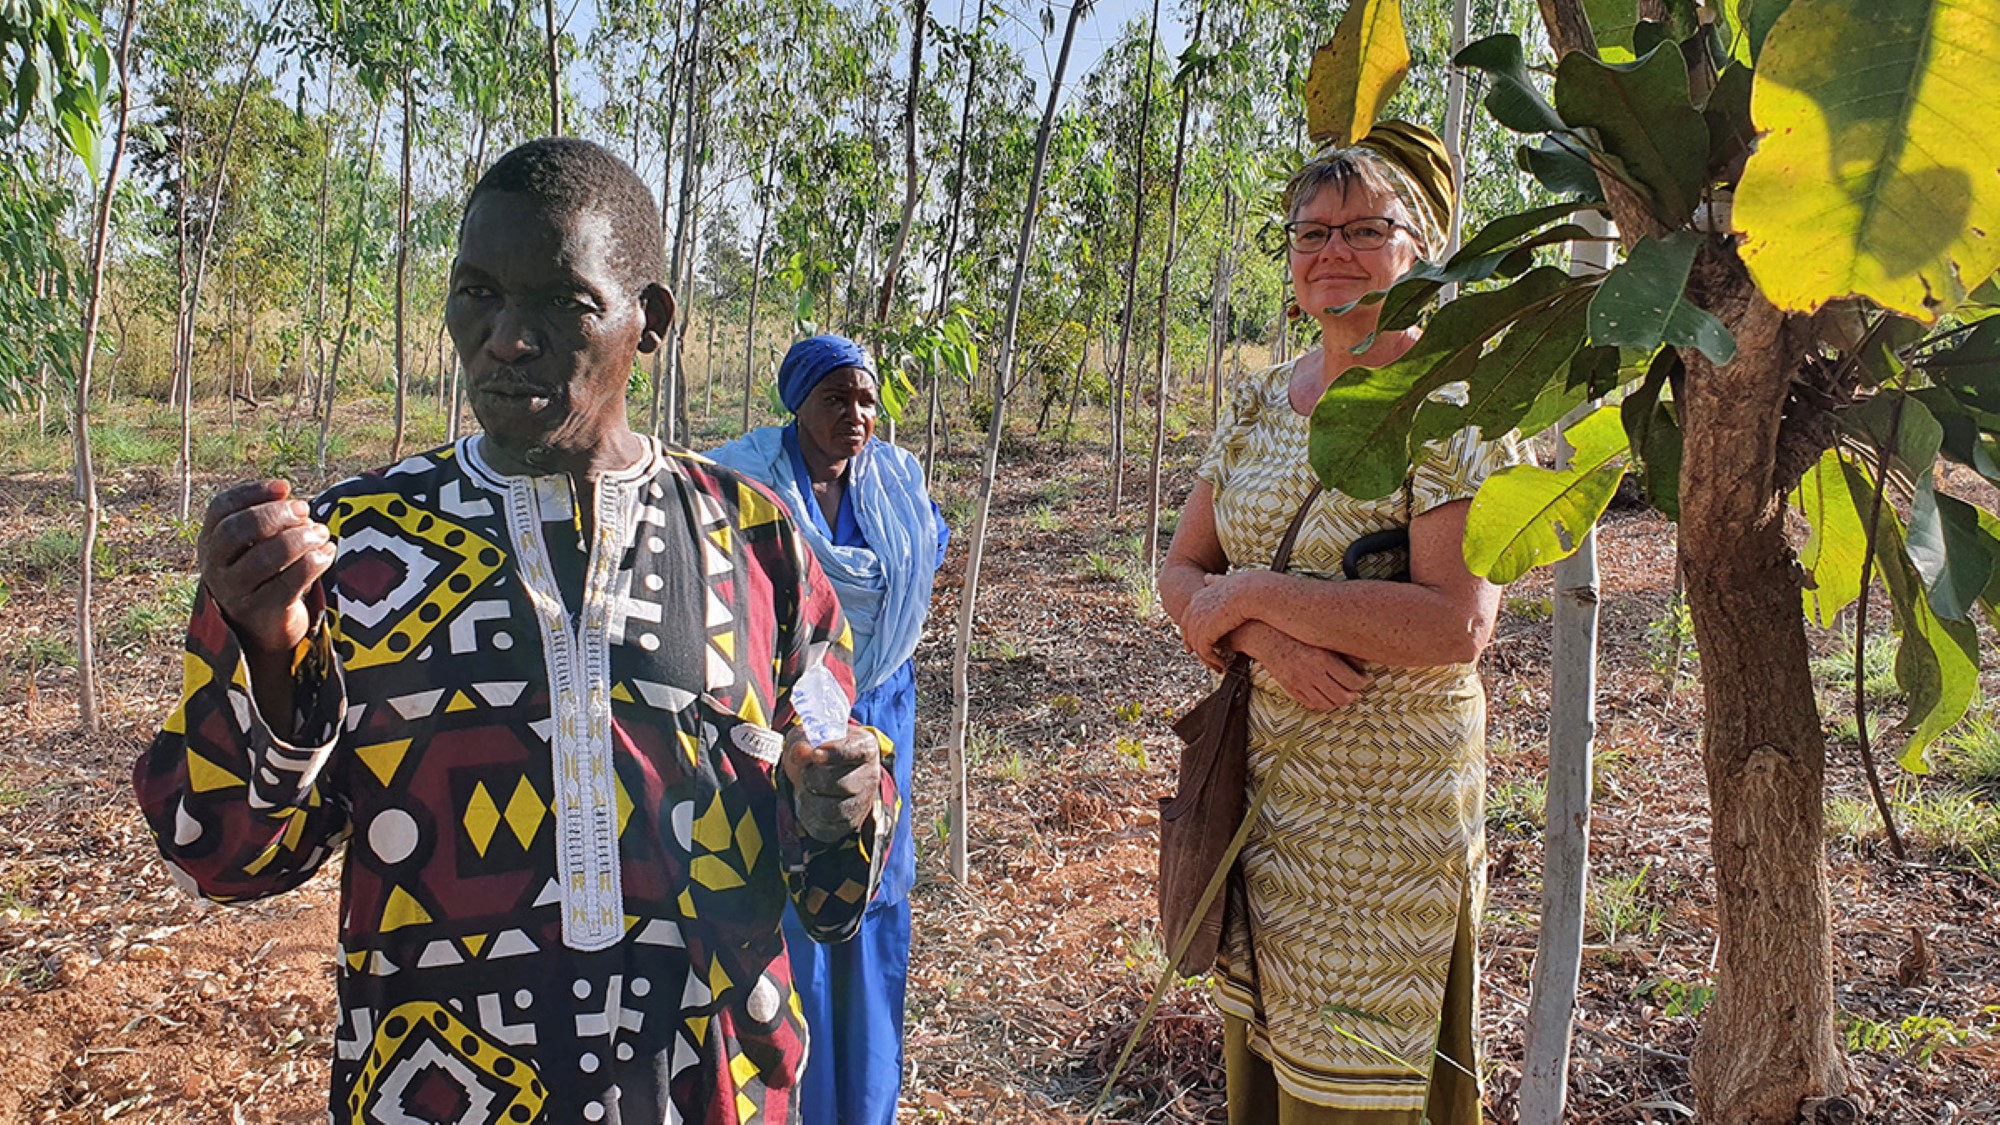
1372, 842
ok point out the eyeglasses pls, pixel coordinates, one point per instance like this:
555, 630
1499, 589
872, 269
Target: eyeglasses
1305, 236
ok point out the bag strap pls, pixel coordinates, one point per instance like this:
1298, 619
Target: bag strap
1283, 558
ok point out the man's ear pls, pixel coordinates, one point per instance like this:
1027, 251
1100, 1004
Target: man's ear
659, 307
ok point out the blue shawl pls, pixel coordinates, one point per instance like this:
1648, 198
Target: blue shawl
885, 587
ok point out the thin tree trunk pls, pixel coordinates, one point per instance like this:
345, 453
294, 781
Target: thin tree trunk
938, 435
457, 396
1566, 846
756, 280
403, 270
684, 51
320, 251
910, 183
1153, 481
250, 73
956, 800
347, 302
88, 711
1131, 273
555, 68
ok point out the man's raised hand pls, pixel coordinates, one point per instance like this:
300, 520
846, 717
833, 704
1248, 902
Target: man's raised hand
834, 784
260, 550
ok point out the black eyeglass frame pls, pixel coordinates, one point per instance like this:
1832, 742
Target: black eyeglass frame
1291, 233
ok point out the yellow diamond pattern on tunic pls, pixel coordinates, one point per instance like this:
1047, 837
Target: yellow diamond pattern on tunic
1373, 836
525, 810
482, 816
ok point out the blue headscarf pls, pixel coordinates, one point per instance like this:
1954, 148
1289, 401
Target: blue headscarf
884, 587
814, 359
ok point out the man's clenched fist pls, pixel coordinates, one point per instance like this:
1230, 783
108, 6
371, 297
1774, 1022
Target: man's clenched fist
260, 551
834, 784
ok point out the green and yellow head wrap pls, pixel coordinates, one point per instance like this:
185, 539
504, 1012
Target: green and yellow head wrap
1413, 161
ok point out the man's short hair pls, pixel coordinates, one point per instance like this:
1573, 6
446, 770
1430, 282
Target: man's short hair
572, 177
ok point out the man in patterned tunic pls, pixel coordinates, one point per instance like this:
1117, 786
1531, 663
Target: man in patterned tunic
541, 685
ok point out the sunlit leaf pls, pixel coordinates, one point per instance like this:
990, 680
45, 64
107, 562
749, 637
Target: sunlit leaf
1877, 174
1642, 303
1356, 72
1836, 542
1525, 516
1611, 24
1643, 114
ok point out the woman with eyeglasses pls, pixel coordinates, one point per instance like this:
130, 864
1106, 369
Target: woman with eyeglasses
1347, 978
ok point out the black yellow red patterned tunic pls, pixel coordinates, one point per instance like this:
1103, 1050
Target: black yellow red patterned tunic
567, 844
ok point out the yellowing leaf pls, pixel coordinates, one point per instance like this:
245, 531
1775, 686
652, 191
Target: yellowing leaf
1880, 173
1357, 72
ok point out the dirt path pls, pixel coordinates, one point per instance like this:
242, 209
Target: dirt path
123, 999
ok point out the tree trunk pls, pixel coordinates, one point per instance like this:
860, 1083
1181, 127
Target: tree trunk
937, 432
756, 281
1767, 1042
250, 73
320, 250
910, 184
403, 271
1131, 274
956, 800
347, 302
86, 471
667, 135
1153, 482
555, 68
1566, 848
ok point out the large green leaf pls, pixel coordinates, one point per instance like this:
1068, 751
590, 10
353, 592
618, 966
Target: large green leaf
1559, 164
1354, 75
1643, 114
1526, 516
1877, 173
1484, 255
1951, 552
1360, 442
1506, 380
1642, 303
1937, 663
1900, 423
1513, 101
1593, 373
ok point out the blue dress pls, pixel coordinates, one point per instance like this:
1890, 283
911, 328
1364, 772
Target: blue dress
852, 992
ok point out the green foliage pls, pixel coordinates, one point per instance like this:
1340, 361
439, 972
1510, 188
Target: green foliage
1670, 641
1616, 906
1527, 516
1676, 998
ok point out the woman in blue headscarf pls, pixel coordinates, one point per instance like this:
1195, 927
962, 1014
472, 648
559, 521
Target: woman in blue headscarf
863, 509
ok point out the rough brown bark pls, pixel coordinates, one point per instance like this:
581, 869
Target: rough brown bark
1768, 1043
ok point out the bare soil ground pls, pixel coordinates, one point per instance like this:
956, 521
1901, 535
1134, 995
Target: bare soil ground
121, 998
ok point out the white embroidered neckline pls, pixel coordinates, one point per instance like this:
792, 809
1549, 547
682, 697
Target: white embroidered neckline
579, 673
